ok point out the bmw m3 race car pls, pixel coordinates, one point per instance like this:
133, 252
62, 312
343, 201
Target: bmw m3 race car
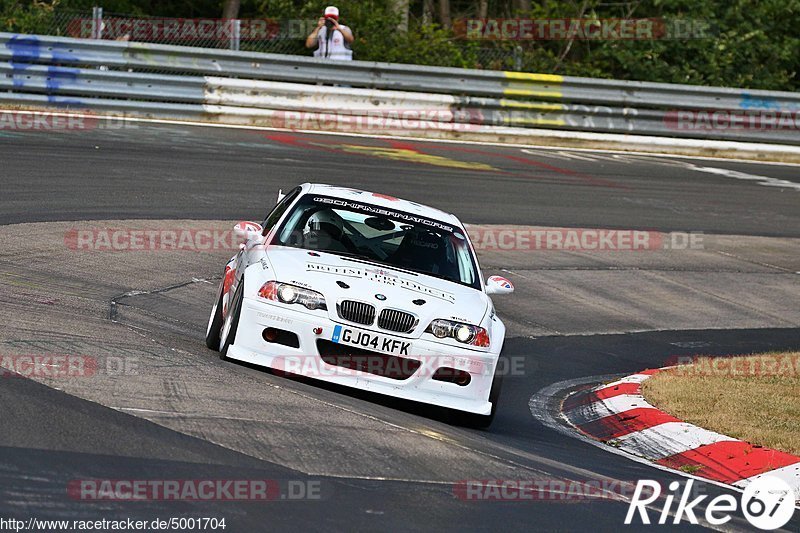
366, 291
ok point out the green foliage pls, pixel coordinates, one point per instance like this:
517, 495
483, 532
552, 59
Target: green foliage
747, 44
27, 17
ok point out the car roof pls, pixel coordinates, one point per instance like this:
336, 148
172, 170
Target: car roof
382, 200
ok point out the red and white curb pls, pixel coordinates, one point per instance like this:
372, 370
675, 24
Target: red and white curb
618, 415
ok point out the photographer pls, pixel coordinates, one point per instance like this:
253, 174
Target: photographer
331, 38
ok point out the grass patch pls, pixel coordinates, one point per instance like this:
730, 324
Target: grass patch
754, 398
691, 469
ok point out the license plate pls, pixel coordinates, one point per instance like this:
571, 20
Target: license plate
370, 341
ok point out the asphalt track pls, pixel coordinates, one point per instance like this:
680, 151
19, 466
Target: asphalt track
380, 464
144, 171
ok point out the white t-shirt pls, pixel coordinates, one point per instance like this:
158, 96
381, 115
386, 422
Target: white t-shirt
339, 49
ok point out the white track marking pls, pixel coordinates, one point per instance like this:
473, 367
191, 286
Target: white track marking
668, 439
790, 474
761, 180
581, 157
607, 407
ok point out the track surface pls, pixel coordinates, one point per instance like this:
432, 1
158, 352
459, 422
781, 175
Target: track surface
161, 172
147, 171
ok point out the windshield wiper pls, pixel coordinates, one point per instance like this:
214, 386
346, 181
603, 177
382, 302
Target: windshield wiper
350, 255
364, 259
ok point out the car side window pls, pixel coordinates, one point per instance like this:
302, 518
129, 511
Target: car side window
277, 212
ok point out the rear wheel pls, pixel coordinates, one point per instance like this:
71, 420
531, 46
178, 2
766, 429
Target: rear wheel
215, 324
231, 324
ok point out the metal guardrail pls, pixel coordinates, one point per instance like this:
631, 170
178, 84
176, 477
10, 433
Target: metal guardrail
255, 88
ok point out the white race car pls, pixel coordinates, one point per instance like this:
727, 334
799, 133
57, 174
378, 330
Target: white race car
367, 291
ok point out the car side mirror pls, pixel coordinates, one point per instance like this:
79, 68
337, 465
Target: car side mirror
246, 231
498, 285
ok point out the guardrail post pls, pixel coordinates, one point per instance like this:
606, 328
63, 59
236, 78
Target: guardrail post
236, 33
518, 58
97, 22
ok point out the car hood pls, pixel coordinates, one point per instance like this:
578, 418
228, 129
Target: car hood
342, 278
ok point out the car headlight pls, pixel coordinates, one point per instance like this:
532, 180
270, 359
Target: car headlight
292, 294
463, 333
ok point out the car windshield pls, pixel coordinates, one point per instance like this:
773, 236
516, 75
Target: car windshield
380, 235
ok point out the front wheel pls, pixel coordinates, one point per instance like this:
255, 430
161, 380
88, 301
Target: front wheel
215, 323
231, 324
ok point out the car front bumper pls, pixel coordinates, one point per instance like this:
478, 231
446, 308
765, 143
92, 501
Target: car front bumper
306, 360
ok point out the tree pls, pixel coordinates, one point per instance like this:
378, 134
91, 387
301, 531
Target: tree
400, 8
444, 14
522, 5
427, 11
231, 9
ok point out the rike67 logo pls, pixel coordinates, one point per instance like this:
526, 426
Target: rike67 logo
767, 503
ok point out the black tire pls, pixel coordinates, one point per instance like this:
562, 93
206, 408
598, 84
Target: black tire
236, 311
471, 420
215, 324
